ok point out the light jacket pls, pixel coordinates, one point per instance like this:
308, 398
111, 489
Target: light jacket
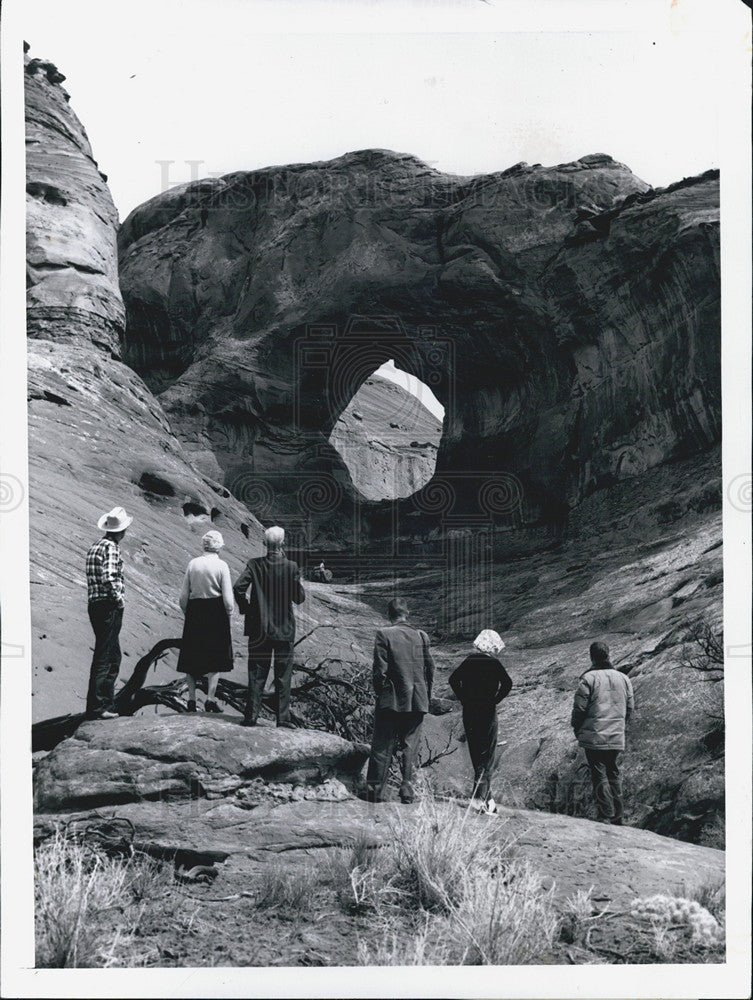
403, 668
602, 706
207, 576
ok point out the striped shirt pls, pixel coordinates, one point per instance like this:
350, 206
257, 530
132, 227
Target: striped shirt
104, 571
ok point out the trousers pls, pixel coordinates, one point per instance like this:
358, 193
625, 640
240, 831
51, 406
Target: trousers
261, 655
393, 731
480, 723
106, 618
604, 766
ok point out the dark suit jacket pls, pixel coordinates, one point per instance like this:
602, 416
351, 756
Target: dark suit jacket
403, 668
276, 586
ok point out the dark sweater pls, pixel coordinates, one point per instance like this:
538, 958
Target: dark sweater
276, 587
480, 679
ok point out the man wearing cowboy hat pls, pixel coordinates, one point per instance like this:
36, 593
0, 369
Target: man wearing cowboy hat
104, 583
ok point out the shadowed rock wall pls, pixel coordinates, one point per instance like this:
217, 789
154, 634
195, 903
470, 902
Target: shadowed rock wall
566, 317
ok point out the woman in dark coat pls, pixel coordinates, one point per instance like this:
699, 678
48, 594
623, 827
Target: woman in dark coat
206, 599
480, 683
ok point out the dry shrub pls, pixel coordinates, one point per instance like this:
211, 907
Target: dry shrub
711, 894
360, 878
577, 911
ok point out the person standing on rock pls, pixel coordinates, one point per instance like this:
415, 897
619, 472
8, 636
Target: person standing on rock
601, 712
403, 675
275, 583
480, 683
206, 600
105, 590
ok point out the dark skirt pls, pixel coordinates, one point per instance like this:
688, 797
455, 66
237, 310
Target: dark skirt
206, 647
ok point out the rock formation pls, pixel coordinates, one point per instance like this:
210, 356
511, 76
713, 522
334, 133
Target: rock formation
388, 440
97, 435
209, 789
71, 256
566, 317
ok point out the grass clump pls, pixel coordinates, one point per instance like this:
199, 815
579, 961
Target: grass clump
89, 905
455, 895
280, 888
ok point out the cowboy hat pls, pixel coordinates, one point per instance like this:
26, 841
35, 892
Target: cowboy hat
116, 520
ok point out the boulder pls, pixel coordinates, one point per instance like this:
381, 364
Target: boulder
185, 757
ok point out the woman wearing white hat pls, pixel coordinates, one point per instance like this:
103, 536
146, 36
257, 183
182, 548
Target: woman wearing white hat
480, 683
206, 599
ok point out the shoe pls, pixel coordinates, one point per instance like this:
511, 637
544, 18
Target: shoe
107, 715
490, 807
286, 725
212, 706
476, 804
606, 821
617, 821
248, 722
191, 706
406, 795
369, 795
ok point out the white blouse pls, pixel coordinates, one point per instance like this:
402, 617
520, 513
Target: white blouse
207, 576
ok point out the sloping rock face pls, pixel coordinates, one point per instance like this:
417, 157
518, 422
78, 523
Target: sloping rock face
566, 317
71, 256
388, 439
639, 582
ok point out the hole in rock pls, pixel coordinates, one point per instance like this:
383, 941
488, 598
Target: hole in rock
389, 433
150, 482
214, 513
244, 529
192, 509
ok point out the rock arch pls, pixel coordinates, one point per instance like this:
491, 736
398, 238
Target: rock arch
559, 353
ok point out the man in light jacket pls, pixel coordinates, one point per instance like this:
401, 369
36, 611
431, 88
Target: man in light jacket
403, 674
602, 708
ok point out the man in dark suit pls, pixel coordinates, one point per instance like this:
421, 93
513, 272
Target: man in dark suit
403, 675
270, 624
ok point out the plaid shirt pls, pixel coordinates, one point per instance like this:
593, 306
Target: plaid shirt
104, 571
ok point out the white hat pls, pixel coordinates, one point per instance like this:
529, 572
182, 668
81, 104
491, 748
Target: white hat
212, 541
274, 537
116, 520
489, 641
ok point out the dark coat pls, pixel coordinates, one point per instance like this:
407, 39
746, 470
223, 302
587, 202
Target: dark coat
403, 668
602, 707
276, 587
480, 680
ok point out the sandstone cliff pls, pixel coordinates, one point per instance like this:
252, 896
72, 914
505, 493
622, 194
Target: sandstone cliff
71, 257
97, 436
566, 317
